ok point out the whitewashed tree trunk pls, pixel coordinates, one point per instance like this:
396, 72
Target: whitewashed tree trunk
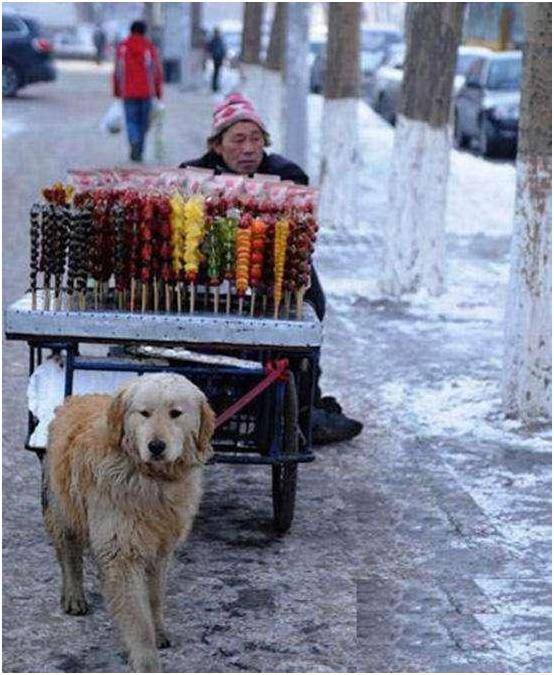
250, 65
196, 61
296, 84
340, 165
527, 374
272, 78
176, 39
415, 230
271, 102
337, 207
252, 83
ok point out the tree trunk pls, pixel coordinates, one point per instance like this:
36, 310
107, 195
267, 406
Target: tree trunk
86, 12
272, 80
339, 143
296, 84
250, 64
527, 384
177, 31
196, 66
253, 14
414, 235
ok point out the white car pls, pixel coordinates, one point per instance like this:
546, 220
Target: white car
385, 88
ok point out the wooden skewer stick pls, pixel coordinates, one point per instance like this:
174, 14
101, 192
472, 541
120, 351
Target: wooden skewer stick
252, 302
287, 304
241, 303
144, 296
47, 292
228, 300
264, 304
155, 294
276, 310
192, 298
299, 301
167, 297
34, 299
216, 300
178, 290
133, 291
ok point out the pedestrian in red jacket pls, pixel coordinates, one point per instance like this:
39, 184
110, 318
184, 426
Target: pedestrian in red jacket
137, 79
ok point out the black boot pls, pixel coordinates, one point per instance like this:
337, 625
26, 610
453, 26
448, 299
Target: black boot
136, 152
330, 424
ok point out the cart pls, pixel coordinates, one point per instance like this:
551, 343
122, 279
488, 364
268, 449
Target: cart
258, 374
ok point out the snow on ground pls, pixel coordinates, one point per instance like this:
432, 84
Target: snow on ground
465, 322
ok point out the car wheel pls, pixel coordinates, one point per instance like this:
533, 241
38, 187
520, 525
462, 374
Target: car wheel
460, 139
484, 142
10, 80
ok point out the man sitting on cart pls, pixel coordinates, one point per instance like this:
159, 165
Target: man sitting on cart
236, 145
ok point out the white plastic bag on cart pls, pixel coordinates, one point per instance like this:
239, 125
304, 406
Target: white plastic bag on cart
114, 119
45, 391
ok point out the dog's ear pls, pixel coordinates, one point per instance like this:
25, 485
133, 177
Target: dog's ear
116, 413
206, 431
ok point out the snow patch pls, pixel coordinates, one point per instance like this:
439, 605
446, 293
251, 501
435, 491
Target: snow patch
465, 407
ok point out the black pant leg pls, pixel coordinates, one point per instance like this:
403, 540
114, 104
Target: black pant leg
315, 296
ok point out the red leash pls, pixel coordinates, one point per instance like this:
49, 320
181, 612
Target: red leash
276, 370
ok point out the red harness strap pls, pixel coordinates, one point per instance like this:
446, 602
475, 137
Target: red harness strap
276, 370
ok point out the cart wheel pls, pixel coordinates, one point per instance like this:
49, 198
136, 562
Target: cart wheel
284, 475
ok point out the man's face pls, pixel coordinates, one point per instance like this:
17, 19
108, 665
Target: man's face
242, 147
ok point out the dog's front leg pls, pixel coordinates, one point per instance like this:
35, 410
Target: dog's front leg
156, 578
127, 595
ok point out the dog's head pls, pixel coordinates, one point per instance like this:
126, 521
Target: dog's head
160, 419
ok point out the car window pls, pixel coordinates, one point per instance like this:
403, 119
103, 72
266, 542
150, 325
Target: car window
464, 63
504, 74
32, 25
12, 24
474, 72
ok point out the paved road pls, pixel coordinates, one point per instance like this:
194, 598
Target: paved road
410, 551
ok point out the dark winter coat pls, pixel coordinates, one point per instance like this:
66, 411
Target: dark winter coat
274, 165
216, 49
137, 73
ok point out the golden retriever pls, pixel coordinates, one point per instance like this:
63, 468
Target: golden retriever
122, 475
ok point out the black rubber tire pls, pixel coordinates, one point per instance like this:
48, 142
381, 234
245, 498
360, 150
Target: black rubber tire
10, 80
484, 144
461, 140
284, 476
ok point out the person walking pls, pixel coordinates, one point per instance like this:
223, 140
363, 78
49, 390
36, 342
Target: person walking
137, 79
99, 38
236, 144
217, 52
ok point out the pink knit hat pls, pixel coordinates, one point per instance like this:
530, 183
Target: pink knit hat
235, 108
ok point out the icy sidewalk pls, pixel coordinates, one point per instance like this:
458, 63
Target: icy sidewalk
424, 375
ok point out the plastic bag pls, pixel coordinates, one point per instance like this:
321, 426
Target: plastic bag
157, 116
112, 122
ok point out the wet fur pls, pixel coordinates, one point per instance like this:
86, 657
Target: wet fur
98, 492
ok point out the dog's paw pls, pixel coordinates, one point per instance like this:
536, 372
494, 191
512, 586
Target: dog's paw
74, 603
162, 641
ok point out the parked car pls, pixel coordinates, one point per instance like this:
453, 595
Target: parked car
26, 54
75, 43
375, 44
486, 110
386, 85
